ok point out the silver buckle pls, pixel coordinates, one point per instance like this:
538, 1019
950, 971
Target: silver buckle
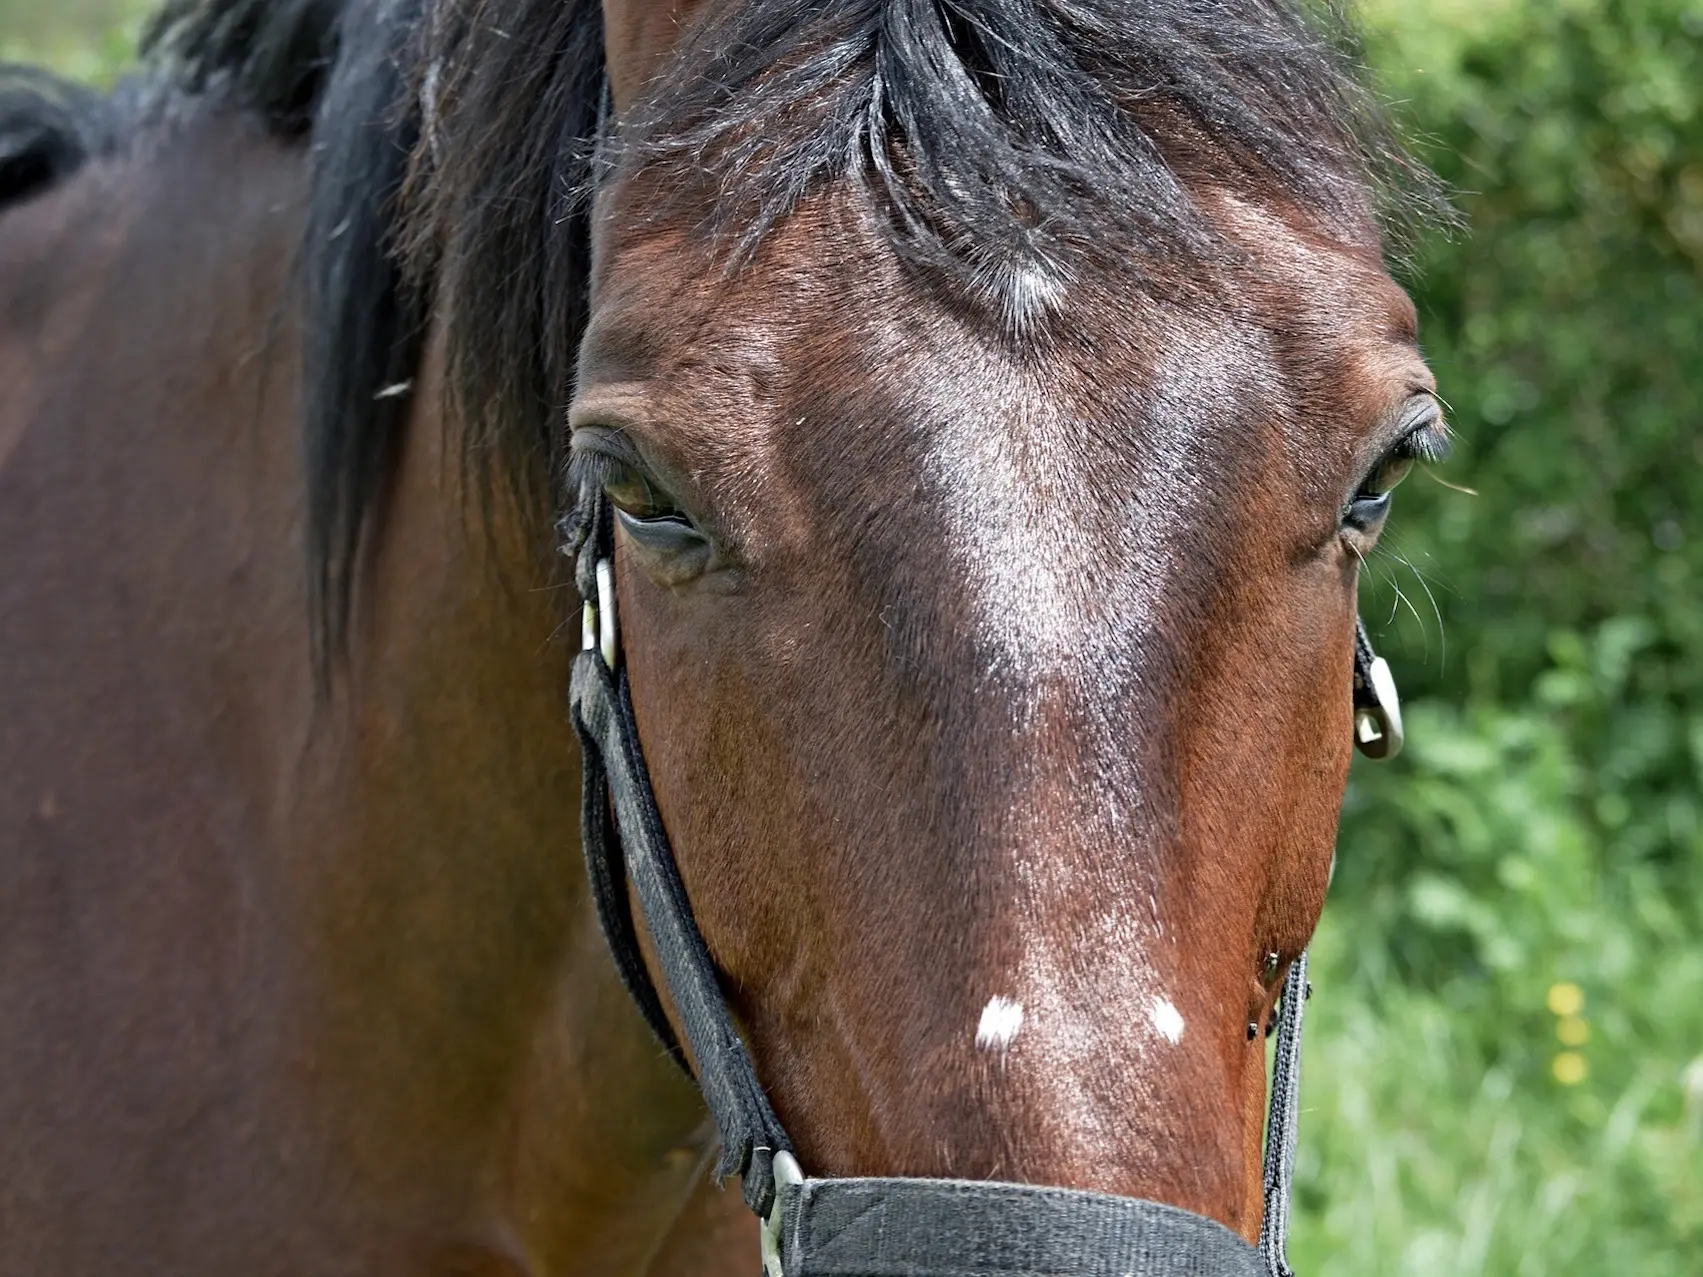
597, 628
1377, 728
788, 1174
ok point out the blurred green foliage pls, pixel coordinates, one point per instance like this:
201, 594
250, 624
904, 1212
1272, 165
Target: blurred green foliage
1505, 1073
92, 40
1546, 826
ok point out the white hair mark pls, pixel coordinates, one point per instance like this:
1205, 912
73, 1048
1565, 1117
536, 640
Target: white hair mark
1000, 1022
1167, 1020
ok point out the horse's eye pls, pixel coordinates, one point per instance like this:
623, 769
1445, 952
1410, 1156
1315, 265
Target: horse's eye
1370, 504
1389, 472
633, 494
663, 535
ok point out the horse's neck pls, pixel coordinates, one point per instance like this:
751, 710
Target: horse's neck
465, 975
280, 978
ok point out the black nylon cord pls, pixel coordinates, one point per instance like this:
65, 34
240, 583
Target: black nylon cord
608, 875
1283, 1123
605, 862
1364, 697
634, 847
749, 1130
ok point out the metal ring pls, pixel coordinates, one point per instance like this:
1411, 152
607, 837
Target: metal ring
608, 635
1377, 727
788, 1174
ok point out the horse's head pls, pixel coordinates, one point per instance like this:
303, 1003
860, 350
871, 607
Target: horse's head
996, 408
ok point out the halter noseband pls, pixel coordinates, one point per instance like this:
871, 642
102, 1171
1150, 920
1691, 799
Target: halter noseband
880, 1227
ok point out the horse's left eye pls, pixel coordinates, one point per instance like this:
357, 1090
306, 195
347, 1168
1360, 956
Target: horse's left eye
1390, 471
1366, 510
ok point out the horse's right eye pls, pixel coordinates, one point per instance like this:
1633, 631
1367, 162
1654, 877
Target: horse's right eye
666, 540
635, 496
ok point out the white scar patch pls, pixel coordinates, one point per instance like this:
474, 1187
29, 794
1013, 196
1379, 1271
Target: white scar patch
1168, 1020
1001, 1018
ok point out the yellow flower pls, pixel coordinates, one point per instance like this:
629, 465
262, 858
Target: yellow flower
1566, 998
1572, 1030
1569, 1068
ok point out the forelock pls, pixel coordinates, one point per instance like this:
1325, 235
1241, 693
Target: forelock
1009, 142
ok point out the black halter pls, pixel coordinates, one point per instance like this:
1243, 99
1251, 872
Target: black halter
880, 1227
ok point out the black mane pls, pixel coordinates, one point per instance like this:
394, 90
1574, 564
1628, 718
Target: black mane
1017, 135
271, 58
329, 74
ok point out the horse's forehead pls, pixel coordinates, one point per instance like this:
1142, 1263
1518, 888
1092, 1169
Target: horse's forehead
1333, 304
827, 315
826, 343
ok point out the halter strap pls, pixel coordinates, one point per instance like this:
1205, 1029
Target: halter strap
1283, 1122
750, 1133
875, 1227
971, 1228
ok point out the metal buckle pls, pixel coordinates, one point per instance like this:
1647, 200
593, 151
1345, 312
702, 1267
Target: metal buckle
1377, 726
597, 628
788, 1174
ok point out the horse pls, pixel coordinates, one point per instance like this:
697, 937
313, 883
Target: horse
975, 415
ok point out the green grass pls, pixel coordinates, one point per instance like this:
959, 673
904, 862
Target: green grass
1506, 1070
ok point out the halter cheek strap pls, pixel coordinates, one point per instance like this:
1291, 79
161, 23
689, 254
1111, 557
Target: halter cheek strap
877, 1227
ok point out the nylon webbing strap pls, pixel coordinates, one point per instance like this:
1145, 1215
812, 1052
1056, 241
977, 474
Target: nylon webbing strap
750, 1132
965, 1228
605, 862
608, 875
1283, 1123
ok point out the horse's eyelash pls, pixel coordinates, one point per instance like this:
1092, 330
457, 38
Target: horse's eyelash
588, 466
1431, 444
